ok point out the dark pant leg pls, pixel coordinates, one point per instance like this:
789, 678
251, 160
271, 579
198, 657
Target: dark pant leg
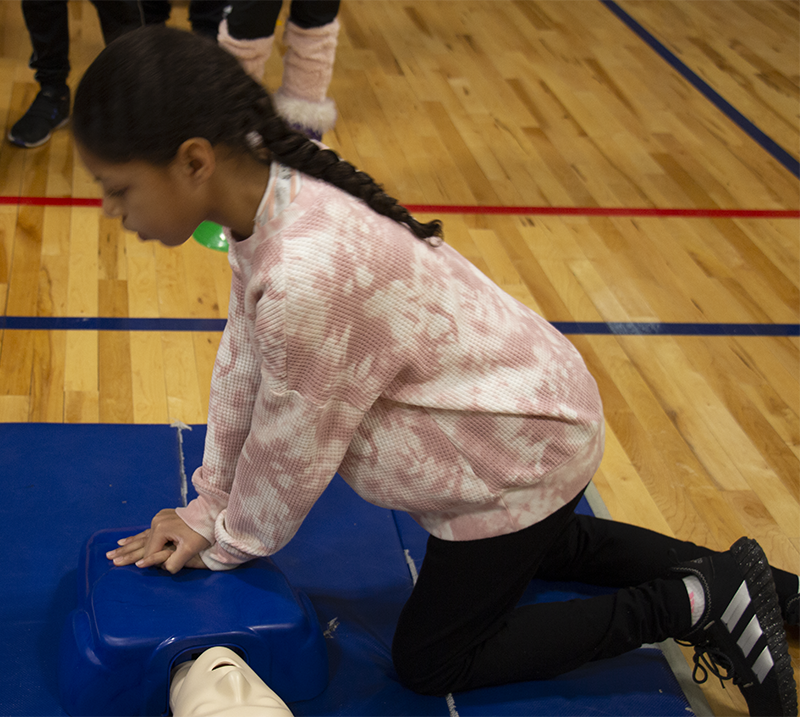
118, 17
206, 15
156, 11
251, 19
313, 13
603, 552
48, 28
461, 629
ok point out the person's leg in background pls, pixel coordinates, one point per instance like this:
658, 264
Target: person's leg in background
156, 11
48, 28
205, 16
118, 17
310, 36
248, 31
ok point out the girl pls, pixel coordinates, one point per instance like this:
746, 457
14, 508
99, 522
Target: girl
357, 342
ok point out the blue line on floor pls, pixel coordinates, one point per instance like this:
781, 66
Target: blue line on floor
766, 142
657, 328
616, 328
92, 323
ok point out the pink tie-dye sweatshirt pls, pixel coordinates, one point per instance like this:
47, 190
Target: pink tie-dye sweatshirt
353, 346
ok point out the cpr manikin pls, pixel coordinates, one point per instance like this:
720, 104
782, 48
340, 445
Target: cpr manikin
219, 683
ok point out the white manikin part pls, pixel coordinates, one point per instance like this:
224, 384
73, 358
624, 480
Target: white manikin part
219, 683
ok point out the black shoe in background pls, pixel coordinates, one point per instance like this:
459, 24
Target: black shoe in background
49, 111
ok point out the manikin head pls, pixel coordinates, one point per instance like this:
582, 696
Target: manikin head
219, 683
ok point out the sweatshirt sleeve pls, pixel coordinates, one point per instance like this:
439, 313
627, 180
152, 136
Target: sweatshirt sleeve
320, 340
275, 440
295, 438
234, 386
293, 451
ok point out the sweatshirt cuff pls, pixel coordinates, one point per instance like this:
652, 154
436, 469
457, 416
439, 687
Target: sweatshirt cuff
222, 555
201, 514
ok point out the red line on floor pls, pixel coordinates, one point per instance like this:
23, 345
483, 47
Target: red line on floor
52, 201
604, 211
474, 209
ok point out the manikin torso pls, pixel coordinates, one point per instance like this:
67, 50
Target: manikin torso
219, 683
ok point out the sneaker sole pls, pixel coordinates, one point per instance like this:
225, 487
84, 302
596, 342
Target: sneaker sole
758, 577
31, 145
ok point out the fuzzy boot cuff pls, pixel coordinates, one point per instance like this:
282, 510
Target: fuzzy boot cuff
311, 118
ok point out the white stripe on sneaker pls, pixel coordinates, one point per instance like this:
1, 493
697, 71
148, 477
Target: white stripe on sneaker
750, 636
763, 664
736, 607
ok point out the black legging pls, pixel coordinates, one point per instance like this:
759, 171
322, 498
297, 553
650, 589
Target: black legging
250, 19
461, 627
48, 26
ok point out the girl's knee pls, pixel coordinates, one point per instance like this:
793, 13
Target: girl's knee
424, 675
421, 682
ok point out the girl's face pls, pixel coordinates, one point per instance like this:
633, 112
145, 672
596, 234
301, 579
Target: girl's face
165, 204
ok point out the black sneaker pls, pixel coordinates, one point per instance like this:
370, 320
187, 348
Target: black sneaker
740, 635
787, 585
49, 111
792, 612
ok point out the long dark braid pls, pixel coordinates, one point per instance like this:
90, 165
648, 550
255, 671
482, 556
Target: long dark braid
294, 150
154, 88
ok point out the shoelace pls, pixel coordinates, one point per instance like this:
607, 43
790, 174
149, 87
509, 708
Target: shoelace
709, 659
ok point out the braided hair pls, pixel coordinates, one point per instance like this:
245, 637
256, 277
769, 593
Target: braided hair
154, 88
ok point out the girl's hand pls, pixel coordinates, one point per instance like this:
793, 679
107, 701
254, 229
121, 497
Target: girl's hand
168, 543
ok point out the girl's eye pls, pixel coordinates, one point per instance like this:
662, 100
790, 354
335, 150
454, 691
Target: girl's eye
115, 193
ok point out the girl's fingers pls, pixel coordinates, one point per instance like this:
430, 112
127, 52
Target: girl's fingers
126, 558
132, 545
184, 555
140, 559
169, 543
130, 538
153, 559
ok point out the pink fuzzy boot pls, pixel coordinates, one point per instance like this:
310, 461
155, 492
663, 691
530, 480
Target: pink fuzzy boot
307, 69
252, 54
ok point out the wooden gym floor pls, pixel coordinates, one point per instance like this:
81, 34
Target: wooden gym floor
651, 148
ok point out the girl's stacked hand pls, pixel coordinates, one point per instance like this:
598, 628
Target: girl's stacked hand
169, 543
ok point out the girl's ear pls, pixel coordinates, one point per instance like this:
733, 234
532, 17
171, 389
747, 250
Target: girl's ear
195, 160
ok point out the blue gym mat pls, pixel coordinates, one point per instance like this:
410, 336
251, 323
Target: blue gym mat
61, 483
